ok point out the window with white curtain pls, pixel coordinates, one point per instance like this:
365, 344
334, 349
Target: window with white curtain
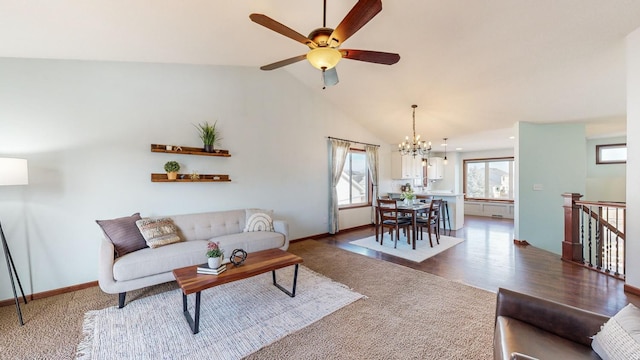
354, 187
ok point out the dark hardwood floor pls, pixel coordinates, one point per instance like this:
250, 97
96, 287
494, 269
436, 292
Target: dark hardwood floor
488, 259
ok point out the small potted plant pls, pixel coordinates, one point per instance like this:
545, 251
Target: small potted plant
172, 168
408, 196
214, 255
209, 135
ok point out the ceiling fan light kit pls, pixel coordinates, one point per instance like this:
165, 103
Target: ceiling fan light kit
324, 42
324, 58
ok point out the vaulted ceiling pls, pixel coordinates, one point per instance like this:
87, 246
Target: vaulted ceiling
474, 68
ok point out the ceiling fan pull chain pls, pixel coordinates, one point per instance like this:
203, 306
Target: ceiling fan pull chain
324, 69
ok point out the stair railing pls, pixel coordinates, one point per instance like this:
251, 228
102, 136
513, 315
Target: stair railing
595, 234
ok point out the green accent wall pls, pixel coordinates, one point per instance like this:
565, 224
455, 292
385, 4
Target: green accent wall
552, 159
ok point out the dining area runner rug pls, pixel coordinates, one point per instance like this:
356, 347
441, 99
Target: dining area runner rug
422, 252
236, 319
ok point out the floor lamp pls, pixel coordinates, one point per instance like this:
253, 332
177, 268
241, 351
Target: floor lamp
13, 172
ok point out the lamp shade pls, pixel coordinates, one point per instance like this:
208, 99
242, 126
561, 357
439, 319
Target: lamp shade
324, 57
13, 171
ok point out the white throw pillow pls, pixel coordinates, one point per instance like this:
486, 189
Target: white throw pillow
619, 338
259, 222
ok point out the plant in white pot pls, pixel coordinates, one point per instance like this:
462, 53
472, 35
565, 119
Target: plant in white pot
209, 135
214, 255
172, 168
408, 196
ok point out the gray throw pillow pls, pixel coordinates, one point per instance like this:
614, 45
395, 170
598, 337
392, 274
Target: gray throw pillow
124, 234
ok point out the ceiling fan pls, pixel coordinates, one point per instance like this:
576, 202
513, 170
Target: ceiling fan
324, 43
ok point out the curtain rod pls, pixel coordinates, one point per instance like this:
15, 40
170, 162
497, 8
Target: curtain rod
357, 142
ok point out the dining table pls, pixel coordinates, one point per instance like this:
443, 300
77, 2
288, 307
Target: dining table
414, 209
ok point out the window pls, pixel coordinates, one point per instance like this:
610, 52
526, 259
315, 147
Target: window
611, 154
354, 185
489, 179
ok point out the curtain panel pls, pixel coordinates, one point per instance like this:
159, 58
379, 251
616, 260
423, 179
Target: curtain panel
339, 152
372, 160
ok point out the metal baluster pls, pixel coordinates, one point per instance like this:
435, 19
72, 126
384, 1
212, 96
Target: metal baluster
599, 246
589, 235
617, 272
582, 231
608, 247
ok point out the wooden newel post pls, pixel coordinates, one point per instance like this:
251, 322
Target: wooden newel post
571, 246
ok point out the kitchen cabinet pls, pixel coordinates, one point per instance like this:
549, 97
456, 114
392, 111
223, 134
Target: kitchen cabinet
405, 166
436, 170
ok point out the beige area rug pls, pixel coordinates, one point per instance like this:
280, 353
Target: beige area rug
408, 314
422, 252
236, 319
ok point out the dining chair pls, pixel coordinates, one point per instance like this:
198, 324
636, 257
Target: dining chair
389, 218
431, 221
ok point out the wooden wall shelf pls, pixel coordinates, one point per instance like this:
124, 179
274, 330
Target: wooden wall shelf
186, 150
187, 178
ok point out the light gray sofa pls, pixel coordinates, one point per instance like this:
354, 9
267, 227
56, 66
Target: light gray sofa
148, 266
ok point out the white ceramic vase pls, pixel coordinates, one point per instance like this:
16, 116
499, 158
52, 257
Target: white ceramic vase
214, 262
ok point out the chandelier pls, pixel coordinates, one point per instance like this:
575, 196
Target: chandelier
415, 146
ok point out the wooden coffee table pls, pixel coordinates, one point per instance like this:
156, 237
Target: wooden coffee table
256, 263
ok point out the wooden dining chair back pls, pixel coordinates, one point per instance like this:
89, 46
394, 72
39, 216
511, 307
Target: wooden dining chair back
431, 221
389, 218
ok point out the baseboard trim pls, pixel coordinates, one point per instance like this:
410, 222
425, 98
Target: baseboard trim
45, 294
68, 289
324, 235
631, 289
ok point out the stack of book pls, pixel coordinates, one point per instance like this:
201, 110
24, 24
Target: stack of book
205, 269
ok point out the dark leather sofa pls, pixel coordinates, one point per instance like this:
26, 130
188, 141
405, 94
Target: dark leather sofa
528, 327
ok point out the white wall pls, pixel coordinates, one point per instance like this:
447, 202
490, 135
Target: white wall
633, 158
86, 129
554, 157
605, 182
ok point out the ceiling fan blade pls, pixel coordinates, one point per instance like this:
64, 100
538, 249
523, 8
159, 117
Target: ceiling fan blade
360, 14
330, 77
284, 62
377, 57
271, 24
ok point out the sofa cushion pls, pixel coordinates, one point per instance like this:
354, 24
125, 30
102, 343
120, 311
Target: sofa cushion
259, 222
513, 335
249, 241
124, 234
619, 337
147, 262
203, 226
158, 232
